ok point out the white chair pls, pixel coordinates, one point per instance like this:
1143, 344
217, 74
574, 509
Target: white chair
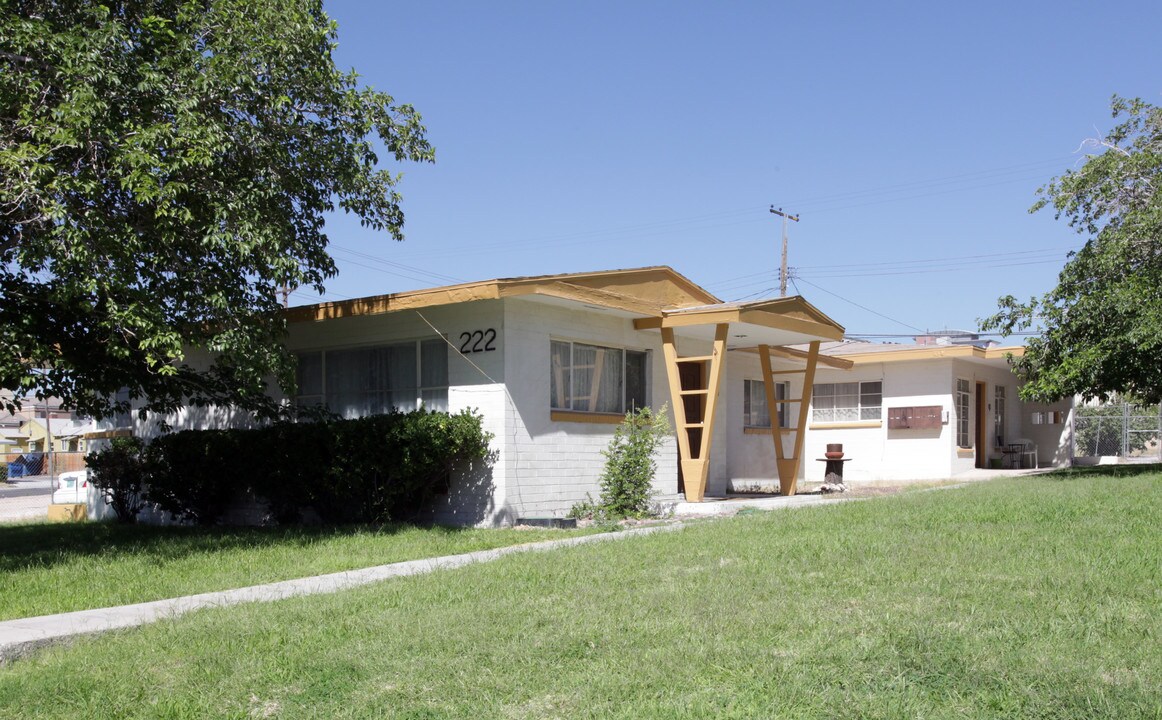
1029, 451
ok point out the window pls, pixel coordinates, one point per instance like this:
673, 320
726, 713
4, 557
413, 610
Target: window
367, 381
591, 378
963, 396
999, 414
754, 404
847, 402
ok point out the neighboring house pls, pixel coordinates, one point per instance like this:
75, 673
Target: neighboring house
67, 435
553, 363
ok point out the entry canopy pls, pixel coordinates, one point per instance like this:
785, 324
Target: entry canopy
779, 322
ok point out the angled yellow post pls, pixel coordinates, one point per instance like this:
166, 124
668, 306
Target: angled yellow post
695, 460
713, 385
670, 350
772, 407
789, 467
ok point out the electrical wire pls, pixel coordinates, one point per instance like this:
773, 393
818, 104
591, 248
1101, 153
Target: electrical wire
861, 307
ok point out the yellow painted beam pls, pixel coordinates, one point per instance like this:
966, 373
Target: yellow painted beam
715, 371
670, 351
789, 467
769, 386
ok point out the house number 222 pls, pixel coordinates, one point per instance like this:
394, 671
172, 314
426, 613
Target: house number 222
477, 341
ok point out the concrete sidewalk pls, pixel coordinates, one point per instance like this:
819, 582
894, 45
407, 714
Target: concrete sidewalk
19, 637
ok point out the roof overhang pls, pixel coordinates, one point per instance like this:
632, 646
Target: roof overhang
970, 353
636, 292
781, 322
803, 356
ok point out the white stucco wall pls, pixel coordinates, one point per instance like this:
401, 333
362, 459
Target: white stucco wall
558, 462
475, 382
750, 456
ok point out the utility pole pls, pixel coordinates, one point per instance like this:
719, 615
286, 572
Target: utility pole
783, 267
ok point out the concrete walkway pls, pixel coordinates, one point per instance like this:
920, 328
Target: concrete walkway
19, 637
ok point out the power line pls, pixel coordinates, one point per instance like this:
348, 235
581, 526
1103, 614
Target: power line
861, 307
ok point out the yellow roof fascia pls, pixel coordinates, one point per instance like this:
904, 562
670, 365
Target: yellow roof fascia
642, 291
793, 354
937, 352
793, 314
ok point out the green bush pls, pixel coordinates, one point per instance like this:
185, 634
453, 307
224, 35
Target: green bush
630, 466
195, 474
118, 471
373, 469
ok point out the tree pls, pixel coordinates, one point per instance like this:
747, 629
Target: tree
165, 170
1101, 327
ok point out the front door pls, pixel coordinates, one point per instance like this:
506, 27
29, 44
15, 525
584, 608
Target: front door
980, 447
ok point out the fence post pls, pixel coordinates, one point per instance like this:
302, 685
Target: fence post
1125, 429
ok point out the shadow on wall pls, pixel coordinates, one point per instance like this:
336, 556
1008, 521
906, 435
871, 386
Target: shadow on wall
212, 417
471, 498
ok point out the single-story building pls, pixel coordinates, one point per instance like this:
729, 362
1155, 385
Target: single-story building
917, 412
553, 363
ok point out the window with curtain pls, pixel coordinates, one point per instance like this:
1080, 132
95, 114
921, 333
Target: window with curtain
357, 382
847, 402
594, 378
963, 398
754, 404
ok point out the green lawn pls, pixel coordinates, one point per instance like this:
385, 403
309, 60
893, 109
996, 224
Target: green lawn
1025, 598
51, 568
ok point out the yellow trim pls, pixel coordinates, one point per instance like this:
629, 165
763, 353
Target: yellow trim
638, 290
848, 425
964, 452
793, 314
670, 351
695, 468
586, 417
108, 434
788, 468
932, 353
749, 430
794, 354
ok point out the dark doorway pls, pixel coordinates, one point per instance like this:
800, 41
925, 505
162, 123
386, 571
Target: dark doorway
980, 448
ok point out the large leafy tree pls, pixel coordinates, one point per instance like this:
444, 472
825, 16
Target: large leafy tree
165, 170
1100, 328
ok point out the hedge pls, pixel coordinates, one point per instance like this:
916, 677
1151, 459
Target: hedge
372, 469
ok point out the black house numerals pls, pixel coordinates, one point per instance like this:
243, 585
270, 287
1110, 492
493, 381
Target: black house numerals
477, 341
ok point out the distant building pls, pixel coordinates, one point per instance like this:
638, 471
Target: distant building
954, 337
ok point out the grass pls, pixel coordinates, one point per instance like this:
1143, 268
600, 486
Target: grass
1022, 598
52, 568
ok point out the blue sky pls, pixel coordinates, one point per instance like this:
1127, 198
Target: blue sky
909, 137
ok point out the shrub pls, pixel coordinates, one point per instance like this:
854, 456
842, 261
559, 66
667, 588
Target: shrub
630, 466
118, 471
195, 474
373, 469
387, 467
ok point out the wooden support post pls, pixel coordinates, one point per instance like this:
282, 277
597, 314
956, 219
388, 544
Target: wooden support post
788, 467
772, 408
695, 468
670, 350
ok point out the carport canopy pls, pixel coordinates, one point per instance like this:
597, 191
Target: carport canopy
765, 326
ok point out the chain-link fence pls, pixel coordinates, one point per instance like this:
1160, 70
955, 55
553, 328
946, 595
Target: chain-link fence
1118, 430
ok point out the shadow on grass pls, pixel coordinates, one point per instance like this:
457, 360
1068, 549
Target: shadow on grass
1110, 471
45, 545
